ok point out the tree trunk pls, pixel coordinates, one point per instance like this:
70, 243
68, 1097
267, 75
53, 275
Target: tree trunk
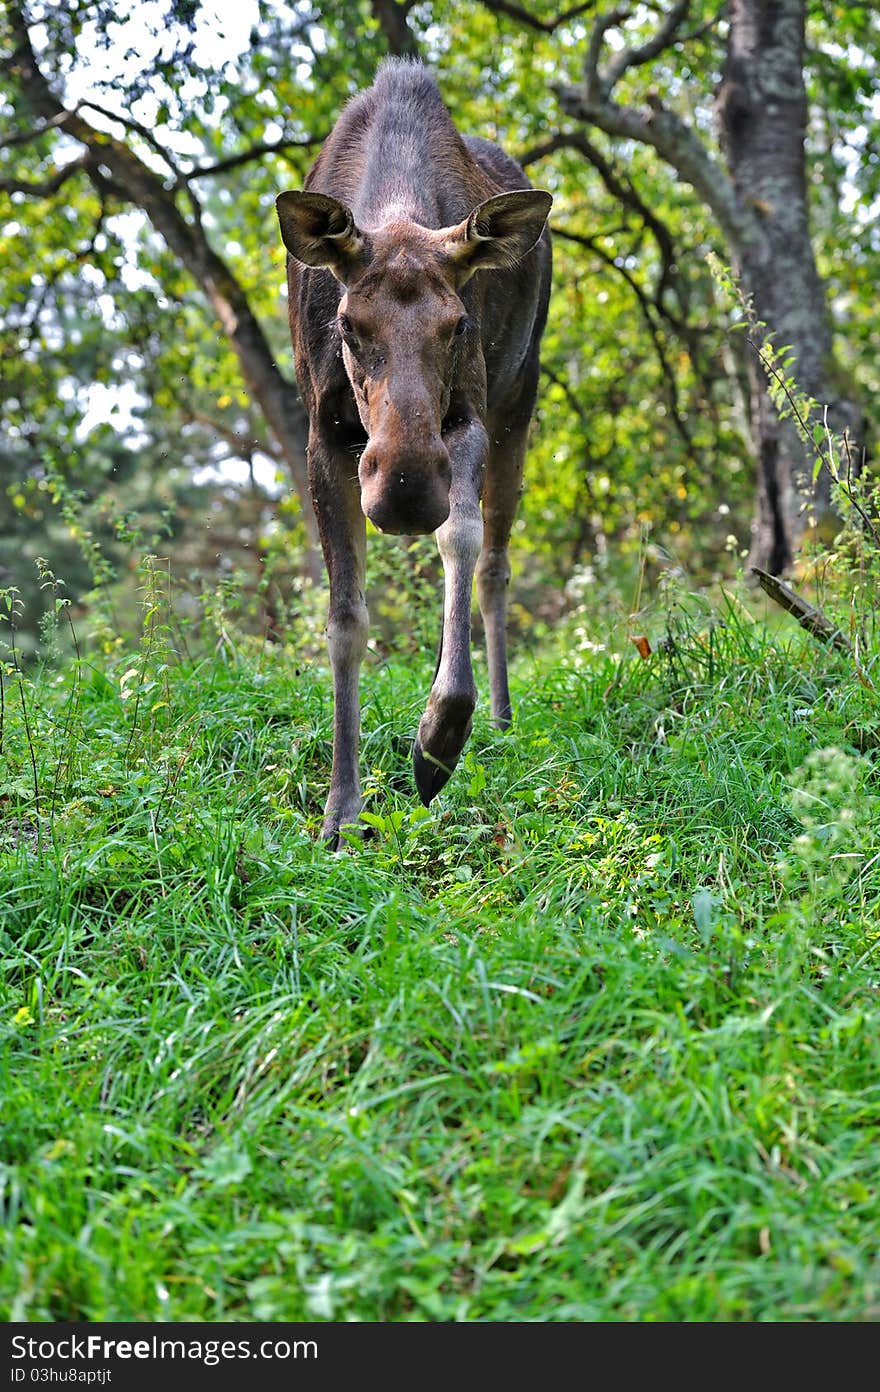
762, 111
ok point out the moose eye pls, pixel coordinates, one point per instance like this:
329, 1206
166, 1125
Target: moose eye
461, 326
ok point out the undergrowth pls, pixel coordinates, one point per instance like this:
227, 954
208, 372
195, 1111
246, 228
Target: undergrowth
594, 1038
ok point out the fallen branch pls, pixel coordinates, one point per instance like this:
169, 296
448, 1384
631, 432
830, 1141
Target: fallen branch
807, 615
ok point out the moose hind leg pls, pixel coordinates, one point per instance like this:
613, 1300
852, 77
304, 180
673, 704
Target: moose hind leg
501, 495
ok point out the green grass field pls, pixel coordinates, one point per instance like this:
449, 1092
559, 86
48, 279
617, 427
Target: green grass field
595, 1038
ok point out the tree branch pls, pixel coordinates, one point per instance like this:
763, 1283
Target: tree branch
677, 144
541, 26
807, 615
636, 57
706, 26
129, 123
590, 461
266, 147
46, 187
242, 444
592, 81
391, 16
26, 136
648, 308
144, 188
620, 188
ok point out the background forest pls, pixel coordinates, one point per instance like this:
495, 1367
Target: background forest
146, 369
596, 1036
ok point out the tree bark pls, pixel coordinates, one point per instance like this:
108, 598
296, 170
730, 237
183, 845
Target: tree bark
762, 113
112, 161
391, 16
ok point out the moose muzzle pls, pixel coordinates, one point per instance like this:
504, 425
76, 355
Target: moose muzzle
405, 491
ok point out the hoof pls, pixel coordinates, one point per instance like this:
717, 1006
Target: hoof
341, 828
429, 773
442, 736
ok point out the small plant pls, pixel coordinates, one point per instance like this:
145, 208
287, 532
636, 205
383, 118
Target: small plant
49, 631
11, 670
844, 571
104, 620
144, 686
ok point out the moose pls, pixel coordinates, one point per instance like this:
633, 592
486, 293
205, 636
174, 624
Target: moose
418, 276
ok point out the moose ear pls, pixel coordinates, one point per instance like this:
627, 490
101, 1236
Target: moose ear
500, 231
320, 231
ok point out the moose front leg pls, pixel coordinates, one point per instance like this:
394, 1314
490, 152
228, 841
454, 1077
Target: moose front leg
336, 496
446, 723
501, 492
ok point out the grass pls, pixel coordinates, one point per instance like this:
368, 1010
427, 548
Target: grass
596, 1038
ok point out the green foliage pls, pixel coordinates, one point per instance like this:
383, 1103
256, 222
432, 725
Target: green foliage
840, 562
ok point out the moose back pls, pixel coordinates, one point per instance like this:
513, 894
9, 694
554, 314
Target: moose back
418, 275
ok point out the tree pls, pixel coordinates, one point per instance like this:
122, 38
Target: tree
117, 171
756, 187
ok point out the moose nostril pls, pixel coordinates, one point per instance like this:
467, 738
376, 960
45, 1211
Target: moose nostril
369, 465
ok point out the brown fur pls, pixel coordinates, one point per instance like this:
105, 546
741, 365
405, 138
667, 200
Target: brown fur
418, 283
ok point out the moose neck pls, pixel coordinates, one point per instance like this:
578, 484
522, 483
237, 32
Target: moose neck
403, 155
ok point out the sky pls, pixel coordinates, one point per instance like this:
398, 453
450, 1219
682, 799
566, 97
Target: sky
222, 32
